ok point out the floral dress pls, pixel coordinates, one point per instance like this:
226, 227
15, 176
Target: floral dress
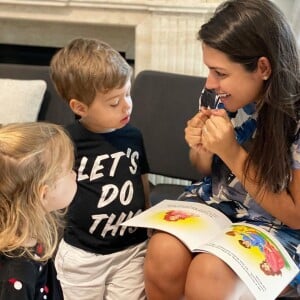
223, 191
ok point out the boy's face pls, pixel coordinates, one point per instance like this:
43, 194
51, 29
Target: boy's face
109, 111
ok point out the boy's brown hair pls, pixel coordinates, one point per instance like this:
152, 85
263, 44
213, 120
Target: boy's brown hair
87, 66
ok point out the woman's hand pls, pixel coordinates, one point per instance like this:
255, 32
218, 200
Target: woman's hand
217, 134
199, 156
193, 130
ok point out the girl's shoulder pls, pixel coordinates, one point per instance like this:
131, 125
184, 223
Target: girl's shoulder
18, 276
24, 267
24, 278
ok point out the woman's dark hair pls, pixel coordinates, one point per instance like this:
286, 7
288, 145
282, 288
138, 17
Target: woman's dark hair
246, 30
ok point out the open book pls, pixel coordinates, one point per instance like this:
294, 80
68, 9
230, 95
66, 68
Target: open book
253, 253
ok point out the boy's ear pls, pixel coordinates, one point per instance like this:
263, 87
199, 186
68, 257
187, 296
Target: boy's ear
78, 107
264, 67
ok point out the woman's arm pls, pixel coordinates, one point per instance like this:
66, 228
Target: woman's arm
219, 138
285, 206
201, 160
199, 156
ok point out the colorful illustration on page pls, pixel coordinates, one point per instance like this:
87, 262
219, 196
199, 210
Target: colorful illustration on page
261, 248
179, 218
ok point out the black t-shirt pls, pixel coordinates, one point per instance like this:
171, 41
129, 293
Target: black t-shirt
110, 190
24, 279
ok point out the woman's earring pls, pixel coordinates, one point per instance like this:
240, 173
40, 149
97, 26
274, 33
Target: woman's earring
265, 78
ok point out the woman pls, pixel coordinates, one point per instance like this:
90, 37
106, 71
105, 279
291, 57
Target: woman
249, 148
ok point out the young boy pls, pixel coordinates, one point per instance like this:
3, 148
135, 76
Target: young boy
98, 258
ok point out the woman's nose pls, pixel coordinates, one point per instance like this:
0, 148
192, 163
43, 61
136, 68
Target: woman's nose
211, 83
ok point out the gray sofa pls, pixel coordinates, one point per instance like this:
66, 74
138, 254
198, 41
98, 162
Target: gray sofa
162, 104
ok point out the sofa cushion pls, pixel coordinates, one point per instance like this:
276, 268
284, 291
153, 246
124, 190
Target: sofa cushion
53, 108
20, 99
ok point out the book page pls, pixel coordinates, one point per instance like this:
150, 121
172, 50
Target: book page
193, 223
258, 259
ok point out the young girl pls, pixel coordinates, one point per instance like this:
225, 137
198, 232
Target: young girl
248, 147
36, 161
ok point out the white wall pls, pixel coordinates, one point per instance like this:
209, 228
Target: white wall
291, 9
286, 6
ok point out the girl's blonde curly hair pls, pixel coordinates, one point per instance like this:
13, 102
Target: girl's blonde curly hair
32, 155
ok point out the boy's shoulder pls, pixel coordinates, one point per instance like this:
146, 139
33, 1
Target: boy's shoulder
129, 128
77, 130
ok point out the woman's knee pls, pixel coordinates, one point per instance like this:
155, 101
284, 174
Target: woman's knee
209, 275
167, 256
167, 261
208, 265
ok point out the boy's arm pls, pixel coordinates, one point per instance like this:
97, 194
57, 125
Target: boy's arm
146, 186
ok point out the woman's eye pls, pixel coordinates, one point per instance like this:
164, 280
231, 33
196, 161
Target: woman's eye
219, 74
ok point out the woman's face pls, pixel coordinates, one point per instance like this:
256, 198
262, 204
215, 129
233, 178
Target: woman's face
237, 86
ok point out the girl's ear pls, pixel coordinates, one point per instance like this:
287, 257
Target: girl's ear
264, 68
78, 107
43, 195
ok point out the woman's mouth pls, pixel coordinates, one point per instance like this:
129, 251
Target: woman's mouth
222, 97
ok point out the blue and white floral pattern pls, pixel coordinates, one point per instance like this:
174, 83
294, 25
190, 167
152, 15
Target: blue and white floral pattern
225, 192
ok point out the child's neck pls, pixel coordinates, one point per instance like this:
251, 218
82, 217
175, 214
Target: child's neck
96, 130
